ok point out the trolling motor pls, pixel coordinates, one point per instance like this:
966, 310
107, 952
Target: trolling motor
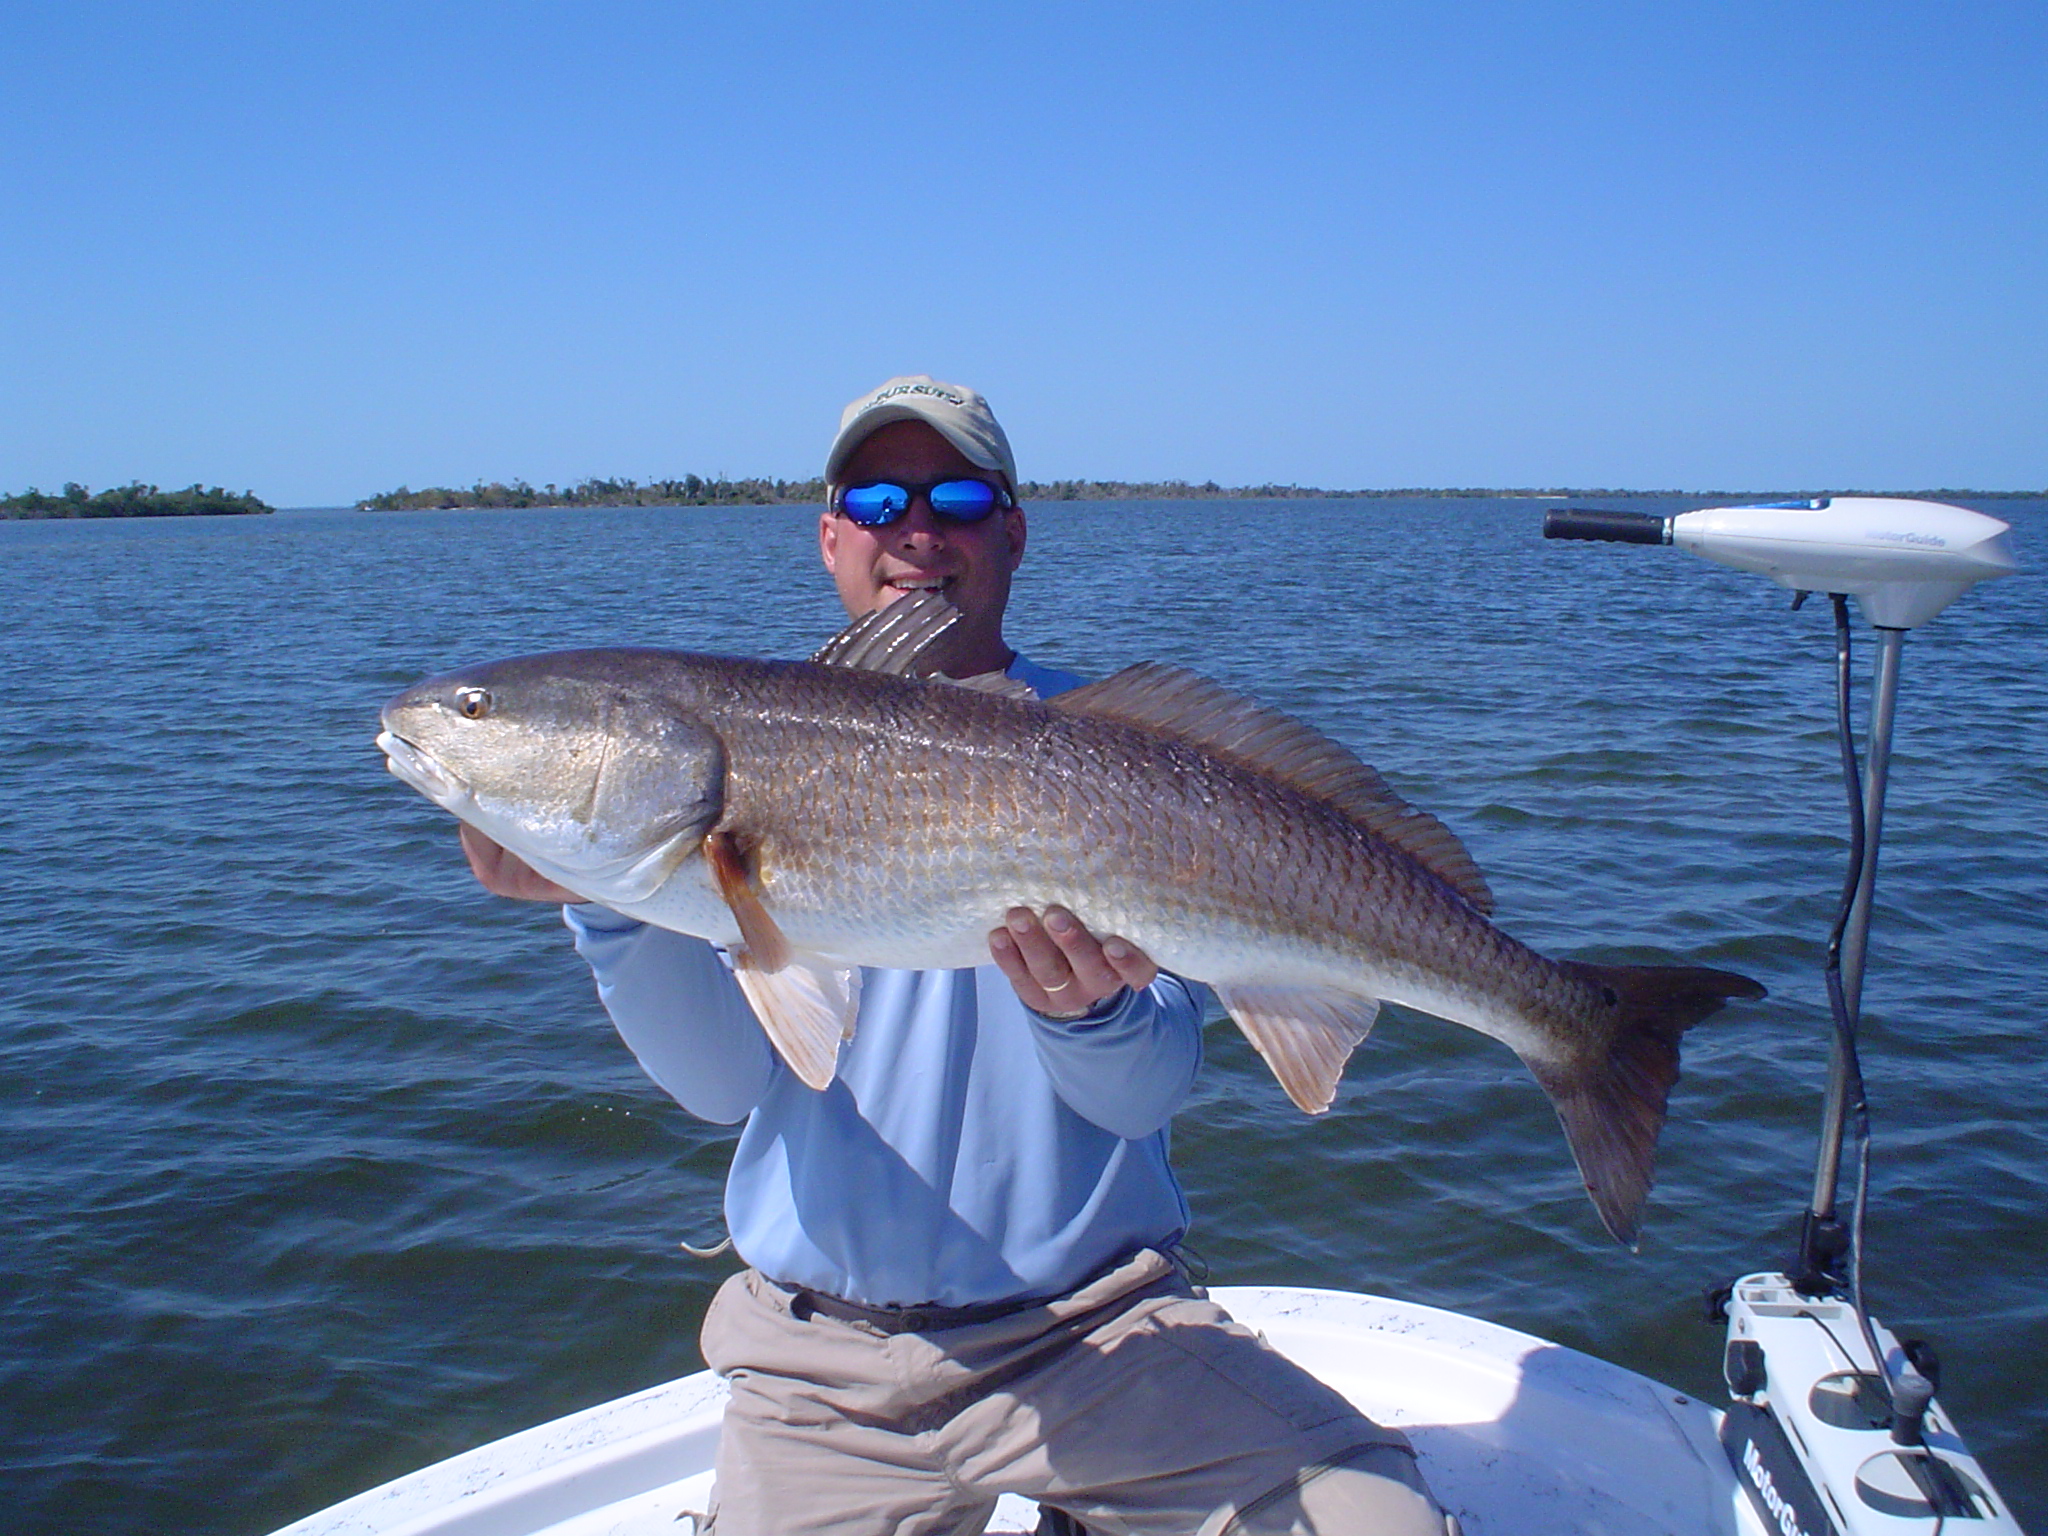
1834, 1427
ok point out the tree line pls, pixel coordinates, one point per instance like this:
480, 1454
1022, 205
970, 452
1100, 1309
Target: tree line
697, 491
718, 491
133, 500
690, 491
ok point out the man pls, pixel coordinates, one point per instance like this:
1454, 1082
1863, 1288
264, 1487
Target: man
963, 1276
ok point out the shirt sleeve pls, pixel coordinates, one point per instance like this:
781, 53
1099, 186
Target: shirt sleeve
1129, 1068
675, 1004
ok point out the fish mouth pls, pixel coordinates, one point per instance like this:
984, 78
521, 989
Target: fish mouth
423, 771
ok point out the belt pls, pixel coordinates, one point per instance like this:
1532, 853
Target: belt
930, 1317
925, 1317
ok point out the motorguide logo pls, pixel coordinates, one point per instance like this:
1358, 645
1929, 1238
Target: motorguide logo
1771, 1474
1766, 1487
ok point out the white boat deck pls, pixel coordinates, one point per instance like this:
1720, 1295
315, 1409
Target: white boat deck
1518, 1437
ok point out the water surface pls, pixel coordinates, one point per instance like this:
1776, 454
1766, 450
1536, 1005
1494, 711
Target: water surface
323, 1164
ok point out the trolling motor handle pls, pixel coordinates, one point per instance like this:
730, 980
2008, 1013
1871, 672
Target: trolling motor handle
1607, 527
1912, 1395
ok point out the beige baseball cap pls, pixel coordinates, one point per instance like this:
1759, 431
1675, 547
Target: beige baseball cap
961, 416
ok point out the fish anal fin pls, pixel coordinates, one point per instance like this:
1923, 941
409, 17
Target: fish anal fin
1306, 1034
1173, 701
1612, 1107
906, 638
806, 1008
732, 873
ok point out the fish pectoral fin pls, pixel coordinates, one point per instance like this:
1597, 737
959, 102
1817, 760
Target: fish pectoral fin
1306, 1034
805, 1004
767, 949
807, 1008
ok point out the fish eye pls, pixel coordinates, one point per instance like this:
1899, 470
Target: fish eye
473, 703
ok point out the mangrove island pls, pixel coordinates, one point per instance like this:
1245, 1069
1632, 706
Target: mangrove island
136, 500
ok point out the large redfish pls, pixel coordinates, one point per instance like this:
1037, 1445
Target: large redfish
814, 818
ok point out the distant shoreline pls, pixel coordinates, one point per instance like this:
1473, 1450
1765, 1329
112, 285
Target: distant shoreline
694, 491
138, 500
135, 500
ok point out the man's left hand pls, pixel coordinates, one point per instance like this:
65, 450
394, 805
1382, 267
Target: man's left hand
1059, 968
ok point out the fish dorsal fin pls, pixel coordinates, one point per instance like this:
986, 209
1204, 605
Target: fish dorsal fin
1306, 1034
905, 639
1189, 707
1001, 684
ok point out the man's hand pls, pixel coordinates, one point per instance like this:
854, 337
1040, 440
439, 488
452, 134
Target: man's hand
1058, 967
506, 874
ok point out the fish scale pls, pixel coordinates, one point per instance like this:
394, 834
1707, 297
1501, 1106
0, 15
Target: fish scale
1061, 821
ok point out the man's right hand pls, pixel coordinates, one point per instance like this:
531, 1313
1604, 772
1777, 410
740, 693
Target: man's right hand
506, 874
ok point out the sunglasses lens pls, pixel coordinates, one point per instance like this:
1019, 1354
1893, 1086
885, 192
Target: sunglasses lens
873, 505
965, 501
879, 504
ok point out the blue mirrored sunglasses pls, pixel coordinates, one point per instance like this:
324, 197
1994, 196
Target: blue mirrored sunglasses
881, 502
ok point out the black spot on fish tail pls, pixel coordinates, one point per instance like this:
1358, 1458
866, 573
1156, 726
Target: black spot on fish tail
1613, 1112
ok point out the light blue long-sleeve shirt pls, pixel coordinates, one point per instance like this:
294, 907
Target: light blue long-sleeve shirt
968, 1150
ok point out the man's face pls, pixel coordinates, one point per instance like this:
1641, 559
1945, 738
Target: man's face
970, 562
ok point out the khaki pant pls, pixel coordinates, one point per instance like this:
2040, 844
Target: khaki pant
1132, 1404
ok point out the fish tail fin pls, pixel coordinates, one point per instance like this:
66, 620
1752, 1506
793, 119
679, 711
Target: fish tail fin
1613, 1113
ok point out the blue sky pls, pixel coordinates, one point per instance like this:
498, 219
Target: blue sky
318, 250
